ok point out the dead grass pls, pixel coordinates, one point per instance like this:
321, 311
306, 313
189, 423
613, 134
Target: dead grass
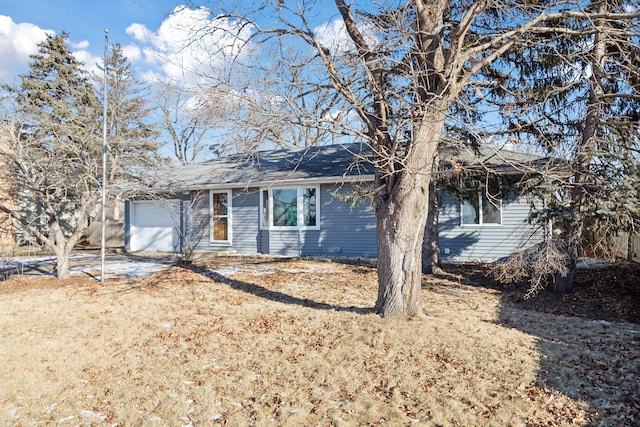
294, 343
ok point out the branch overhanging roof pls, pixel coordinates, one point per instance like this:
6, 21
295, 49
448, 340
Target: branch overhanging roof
337, 163
341, 162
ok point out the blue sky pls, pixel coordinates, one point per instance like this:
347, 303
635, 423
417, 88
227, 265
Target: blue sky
135, 24
151, 32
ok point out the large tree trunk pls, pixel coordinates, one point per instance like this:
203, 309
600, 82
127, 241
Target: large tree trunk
431, 246
401, 220
63, 263
584, 155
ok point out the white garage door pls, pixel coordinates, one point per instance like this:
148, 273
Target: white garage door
155, 225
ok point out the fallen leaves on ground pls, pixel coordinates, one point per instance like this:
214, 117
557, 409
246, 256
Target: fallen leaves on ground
294, 342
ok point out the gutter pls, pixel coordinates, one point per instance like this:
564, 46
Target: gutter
271, 184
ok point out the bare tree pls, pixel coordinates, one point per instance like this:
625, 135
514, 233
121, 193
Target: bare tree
192, 232
406, 70
184, 121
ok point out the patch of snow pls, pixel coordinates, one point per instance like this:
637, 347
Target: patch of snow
121, 268
114, 266
167, 324
14, 413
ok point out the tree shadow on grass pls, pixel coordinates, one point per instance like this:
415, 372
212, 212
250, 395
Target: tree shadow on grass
272, 295
588, 351
589, 360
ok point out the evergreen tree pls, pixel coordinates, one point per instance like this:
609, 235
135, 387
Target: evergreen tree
577, 95
52, 162
130, 135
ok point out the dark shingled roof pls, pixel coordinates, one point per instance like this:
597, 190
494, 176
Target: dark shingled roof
328, 163
497, 160
263, 168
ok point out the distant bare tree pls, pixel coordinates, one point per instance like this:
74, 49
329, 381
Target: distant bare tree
184, 120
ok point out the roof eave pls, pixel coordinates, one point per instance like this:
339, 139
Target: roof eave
269, 184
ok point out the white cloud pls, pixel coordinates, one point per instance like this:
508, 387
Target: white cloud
90, 61
139, 32
80, 45
189, 44
333, 35
132, 52
17, 43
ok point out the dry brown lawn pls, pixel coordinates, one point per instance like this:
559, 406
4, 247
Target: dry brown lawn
293, 342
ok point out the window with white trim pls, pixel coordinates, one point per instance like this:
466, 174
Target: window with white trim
482, 203
290, 208
220, 213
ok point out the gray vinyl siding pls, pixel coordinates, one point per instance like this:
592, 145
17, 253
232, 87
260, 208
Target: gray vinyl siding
284, 242
344, 230
127, 225
199, 220
484, 242
246, 221
263, 241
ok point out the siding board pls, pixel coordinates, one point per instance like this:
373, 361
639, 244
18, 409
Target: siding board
484, 242
346, 231
246, 221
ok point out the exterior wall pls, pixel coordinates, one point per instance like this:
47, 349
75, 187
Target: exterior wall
127, 225
484, 242
346, 231
351, 231
245, 223
343, 231
245, 217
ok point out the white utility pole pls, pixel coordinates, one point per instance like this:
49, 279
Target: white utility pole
103, 238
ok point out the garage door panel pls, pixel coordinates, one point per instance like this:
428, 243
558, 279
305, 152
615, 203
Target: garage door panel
156, 214
154, 226
161, 239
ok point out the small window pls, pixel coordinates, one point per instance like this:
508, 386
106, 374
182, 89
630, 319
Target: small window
309, 206
265, 207
285, 207
221, 216
294, 208
481, 204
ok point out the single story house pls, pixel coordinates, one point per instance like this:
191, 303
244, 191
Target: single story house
297, 202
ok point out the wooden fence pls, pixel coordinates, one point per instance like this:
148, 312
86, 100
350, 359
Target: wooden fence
624, 245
